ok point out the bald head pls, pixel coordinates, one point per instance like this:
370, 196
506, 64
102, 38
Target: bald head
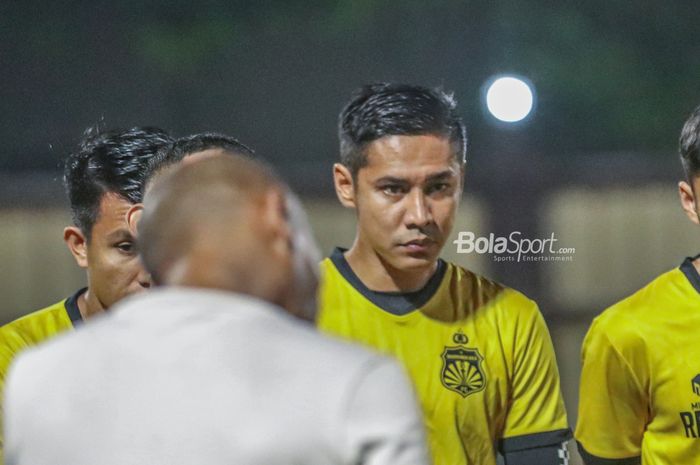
223, 222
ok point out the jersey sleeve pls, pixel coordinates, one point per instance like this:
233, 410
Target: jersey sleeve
536, 416
382, 424
612, 404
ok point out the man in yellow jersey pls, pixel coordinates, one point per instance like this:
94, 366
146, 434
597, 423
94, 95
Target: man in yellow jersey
639, 401
479, 353
103, 179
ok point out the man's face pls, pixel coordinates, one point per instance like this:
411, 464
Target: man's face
114, 269
406, 197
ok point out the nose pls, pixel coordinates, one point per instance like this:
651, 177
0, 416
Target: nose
144, 279
418, 214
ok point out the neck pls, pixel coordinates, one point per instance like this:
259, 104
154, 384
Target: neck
88, 305
378, 275
206, 273
696, 264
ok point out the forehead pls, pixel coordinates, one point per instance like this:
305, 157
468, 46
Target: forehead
112, 215
410, 155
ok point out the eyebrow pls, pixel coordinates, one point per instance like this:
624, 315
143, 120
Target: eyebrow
391, 180
442, 175
123, 234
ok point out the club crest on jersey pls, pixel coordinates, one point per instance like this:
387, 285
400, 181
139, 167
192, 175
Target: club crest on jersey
696, 385
461, 367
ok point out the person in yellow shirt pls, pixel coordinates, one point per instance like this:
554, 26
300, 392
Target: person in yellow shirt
639, 399
103, 179
479, 353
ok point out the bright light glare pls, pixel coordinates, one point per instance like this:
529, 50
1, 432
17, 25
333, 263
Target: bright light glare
509, 99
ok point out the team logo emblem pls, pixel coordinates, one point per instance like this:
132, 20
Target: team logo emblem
696, 385
461, 368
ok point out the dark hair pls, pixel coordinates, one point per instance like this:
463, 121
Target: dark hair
690, 145
108, 162
174, 152
385, 109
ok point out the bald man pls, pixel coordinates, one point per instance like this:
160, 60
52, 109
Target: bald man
195, 147
217, 365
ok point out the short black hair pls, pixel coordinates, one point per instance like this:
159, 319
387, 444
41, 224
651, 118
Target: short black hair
108, 162
386, 109
174, 152
689, 145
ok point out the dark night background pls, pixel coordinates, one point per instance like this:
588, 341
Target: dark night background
611, 76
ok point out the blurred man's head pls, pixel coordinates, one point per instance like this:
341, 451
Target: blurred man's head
195, 147
402, 152
103, 178
227, 222
689, 189
184, 150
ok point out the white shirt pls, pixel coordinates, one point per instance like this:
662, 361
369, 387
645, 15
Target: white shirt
185, 376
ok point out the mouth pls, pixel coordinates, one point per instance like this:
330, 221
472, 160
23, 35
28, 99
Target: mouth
418, 245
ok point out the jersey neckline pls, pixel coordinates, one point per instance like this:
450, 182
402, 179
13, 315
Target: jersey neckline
395, 303
691, 272
72, 309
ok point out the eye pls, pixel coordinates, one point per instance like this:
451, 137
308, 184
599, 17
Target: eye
392, 189
126, 247
438, 187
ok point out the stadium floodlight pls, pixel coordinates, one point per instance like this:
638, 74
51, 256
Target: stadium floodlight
509, 98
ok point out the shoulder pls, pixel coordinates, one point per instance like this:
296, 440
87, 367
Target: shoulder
327, 263
331, 273
640, 306
35, 327
628, 325
481, 292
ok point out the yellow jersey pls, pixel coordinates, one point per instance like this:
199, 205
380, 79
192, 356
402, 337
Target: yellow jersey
640, 379
33, 329
479, 355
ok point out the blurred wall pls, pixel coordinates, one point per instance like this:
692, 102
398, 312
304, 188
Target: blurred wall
623, 239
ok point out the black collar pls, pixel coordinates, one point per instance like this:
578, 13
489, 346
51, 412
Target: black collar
397, 303
691, 272
72, 307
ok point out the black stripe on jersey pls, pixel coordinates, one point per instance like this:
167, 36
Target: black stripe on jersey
397, 303
556, 454
691, 272
590, 459
72, 307
530, 441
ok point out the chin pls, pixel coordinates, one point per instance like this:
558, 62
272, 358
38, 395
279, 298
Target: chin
415, 262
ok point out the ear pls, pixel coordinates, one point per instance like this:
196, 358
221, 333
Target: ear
77, 244
688, 202
344, 185
133, 216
